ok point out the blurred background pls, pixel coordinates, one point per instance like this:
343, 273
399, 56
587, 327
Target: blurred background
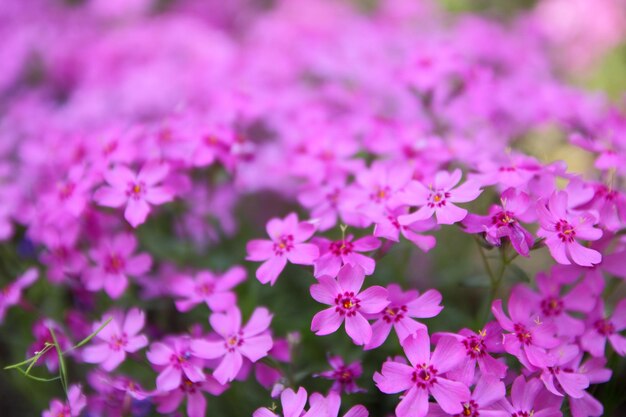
588, 40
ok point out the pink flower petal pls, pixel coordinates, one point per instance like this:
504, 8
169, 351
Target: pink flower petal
450, 395
271, 269
359, 329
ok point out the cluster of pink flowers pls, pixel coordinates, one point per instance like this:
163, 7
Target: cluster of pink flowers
144, 148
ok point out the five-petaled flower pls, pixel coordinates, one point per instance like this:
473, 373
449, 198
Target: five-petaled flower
347, 304
235, 342
137, 191
116, 338
286, 244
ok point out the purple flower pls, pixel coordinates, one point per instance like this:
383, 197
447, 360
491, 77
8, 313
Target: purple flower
75, 403
558, 378
403, 306
529, 335
489, 389
347, 303
438, 198
137, 191
117, 338
528, 398
503, 221
12, 294
425, 376
252, 341
601, 328
344, 376
477, 347
114, 261
175, 360
193, 391
333, 255
561, 228
207, 287
286, 244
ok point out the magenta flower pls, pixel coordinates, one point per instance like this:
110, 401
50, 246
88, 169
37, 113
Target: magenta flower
75, 403
193, 392
559, 378
398, 314
595, 371
176, 361
388, 227
329, 406
488, 390
438, 198
424, 376
114, 261
601, 328
379, 187
529, 335
347, 303
138, 191
11, 295
43, 337
561, 228
555, 308
207, 287
286, 244
252, 341
292, 403
528, 398
477, 348
117, 338
503, 221
333, 255
344, 376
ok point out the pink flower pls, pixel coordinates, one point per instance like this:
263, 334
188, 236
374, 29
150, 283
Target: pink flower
477, 347
503, 221
12, 294
43, 337
561, 228
388, 227
489, 389
136, 191
75, 403
342, 252
530, 399
175, 359
114, 261
210, 288
595, 371
424, 376
555, 308
530, 335
193, 392
402, 307
286, 244
559, 378
117, 338
438, 198
329, 406
292, 403
344, 376
252, 341
380, 186
347, 303
601, 328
